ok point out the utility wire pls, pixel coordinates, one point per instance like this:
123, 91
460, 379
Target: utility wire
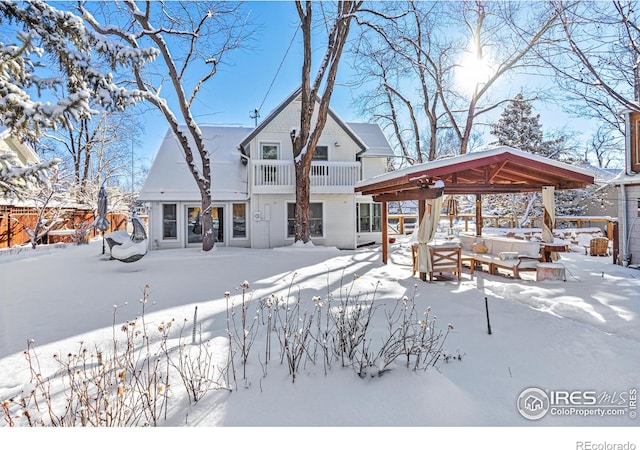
279, 67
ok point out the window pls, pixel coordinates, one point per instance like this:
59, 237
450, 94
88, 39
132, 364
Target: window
635, 142
239, 220
369, 217
321, 153
169, 221
316, 225
269, 151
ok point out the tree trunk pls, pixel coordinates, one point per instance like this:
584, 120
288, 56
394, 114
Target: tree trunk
208, 238
302, 201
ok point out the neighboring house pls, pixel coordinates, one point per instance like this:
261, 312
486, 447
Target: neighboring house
628, 186
11, 145
11, 232
253, 185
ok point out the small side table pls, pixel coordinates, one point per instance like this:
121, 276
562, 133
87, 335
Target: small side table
550, 271
547, 249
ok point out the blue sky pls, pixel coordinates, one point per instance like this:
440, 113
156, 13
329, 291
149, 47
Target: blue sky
253, 80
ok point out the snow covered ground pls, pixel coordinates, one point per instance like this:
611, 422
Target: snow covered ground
578, 338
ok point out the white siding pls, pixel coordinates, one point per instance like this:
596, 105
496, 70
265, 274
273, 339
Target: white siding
279, 129
372, 167
633, 196
269, 221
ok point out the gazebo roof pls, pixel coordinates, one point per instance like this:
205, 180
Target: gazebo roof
498, 170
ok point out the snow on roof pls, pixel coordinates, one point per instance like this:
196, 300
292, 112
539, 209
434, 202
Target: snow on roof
625, 178
373, 137
169, 178
472, 156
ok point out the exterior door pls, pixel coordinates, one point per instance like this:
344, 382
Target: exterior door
194, 224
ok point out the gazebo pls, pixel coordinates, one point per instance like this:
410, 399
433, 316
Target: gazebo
498, 170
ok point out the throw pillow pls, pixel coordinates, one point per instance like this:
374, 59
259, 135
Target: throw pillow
508, 255
479, 248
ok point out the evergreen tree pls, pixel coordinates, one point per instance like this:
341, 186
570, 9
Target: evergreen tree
28, 79
16, 181
519, 128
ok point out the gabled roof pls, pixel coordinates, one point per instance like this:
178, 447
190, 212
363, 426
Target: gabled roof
494, 171
373, 137
273, 114
169, 178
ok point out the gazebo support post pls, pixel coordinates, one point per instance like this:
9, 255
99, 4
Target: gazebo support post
478, 214
422, 207
385, 233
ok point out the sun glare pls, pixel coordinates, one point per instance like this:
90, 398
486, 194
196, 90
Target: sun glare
472, 71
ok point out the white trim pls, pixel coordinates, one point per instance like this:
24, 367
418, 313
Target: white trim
269, 142
328, 147
224, 222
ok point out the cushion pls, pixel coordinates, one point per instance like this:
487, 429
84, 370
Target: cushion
508, 255
479, 248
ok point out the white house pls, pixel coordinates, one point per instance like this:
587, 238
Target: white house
9, 145
253, 185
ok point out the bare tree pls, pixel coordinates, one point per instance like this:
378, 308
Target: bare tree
47, 201
595, 59
192, 39
95, 152
604, 146
398, 46
316, 95
496, 38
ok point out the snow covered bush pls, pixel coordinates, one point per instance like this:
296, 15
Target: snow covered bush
127, 380
340, 328
81, 232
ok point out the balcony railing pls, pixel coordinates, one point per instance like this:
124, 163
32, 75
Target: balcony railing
326, 177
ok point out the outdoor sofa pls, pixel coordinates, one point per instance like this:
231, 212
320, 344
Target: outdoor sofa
515, 255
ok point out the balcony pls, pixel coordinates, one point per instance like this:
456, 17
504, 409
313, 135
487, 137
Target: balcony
278, 177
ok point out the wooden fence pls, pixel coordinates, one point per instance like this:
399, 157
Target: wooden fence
14, 222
